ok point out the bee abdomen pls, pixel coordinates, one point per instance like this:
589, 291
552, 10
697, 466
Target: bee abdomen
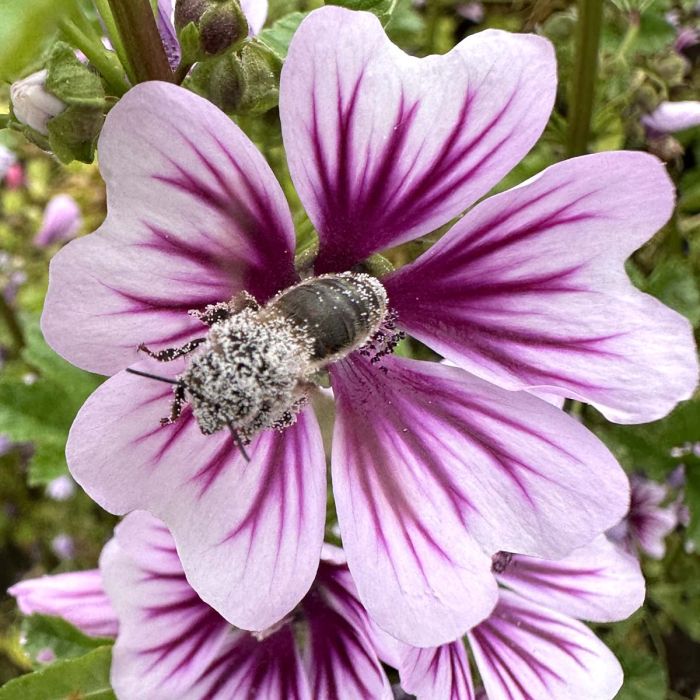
339, 312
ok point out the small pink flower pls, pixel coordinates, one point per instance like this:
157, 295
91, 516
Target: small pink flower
533, 646
647, 524
434, 468
62, 221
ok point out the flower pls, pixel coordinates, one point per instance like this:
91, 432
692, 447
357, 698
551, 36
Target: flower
533, 646
78, 597
62, 221
434, 468
32, 104
170, 644
670, 117
646, 524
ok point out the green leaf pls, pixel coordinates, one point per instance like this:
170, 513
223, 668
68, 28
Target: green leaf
39, 406
678, 593
41, 632
279, 35
26, 28
84, 678
674, 283
382, 8
645, 677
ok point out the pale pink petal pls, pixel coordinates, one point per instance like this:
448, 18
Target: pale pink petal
526, 652
598, 582
669, 117
78, 597
256, 13
441, 673
249, 533
166, 29
62, 221
529, 290
384, 147
194, 216
171, 644
339, 657
428, 461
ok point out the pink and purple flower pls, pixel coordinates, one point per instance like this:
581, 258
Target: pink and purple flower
533, 646
170, 644
434, 468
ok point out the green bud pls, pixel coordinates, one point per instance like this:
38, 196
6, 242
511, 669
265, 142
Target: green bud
671, 69
208, 28
242, 82
70, 131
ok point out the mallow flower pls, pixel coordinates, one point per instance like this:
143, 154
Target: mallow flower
170, 644
434, 468
533, 645
647, 523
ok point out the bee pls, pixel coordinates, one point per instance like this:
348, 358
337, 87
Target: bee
256, 364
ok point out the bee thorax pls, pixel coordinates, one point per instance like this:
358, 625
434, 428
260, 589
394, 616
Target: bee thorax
338, 312
247, 375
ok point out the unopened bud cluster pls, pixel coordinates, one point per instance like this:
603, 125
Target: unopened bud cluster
208, 28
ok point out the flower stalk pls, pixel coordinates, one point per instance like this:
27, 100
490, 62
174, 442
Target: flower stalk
95, 52
138, 31
585, 74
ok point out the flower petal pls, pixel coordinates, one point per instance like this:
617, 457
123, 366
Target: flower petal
529, 289
249, 533
171, 644
428, 459
195, 215
527, 652
598, 582
670, 117
384, 147
340, 659
256, 13
78, 597
441, 673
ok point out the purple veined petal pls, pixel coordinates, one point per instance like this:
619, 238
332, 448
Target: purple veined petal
597, 582
195, 215
670, 117
78, 597
166, 29
428, 460
527, 652
529, 290
249, 533
62, 221
339, 657
384, 147
441, 673
171, 644
255, 12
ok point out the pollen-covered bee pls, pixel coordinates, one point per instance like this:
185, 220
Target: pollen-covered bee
256, 364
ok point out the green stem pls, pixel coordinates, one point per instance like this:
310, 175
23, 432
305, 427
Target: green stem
144, 48
13, 325
4, 120
585, 73
181, 72
98, 56
113, 33
629, 39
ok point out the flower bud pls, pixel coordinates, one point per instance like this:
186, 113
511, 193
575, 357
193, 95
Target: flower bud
242, 82
32, 104
209, 28
61, 108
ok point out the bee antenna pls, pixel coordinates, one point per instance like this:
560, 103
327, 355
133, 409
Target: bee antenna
148, 375
239, 442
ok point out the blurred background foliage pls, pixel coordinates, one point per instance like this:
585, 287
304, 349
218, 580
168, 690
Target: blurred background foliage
649, 53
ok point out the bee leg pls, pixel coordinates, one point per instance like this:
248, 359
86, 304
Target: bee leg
172, 353
213, 313
176, 406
